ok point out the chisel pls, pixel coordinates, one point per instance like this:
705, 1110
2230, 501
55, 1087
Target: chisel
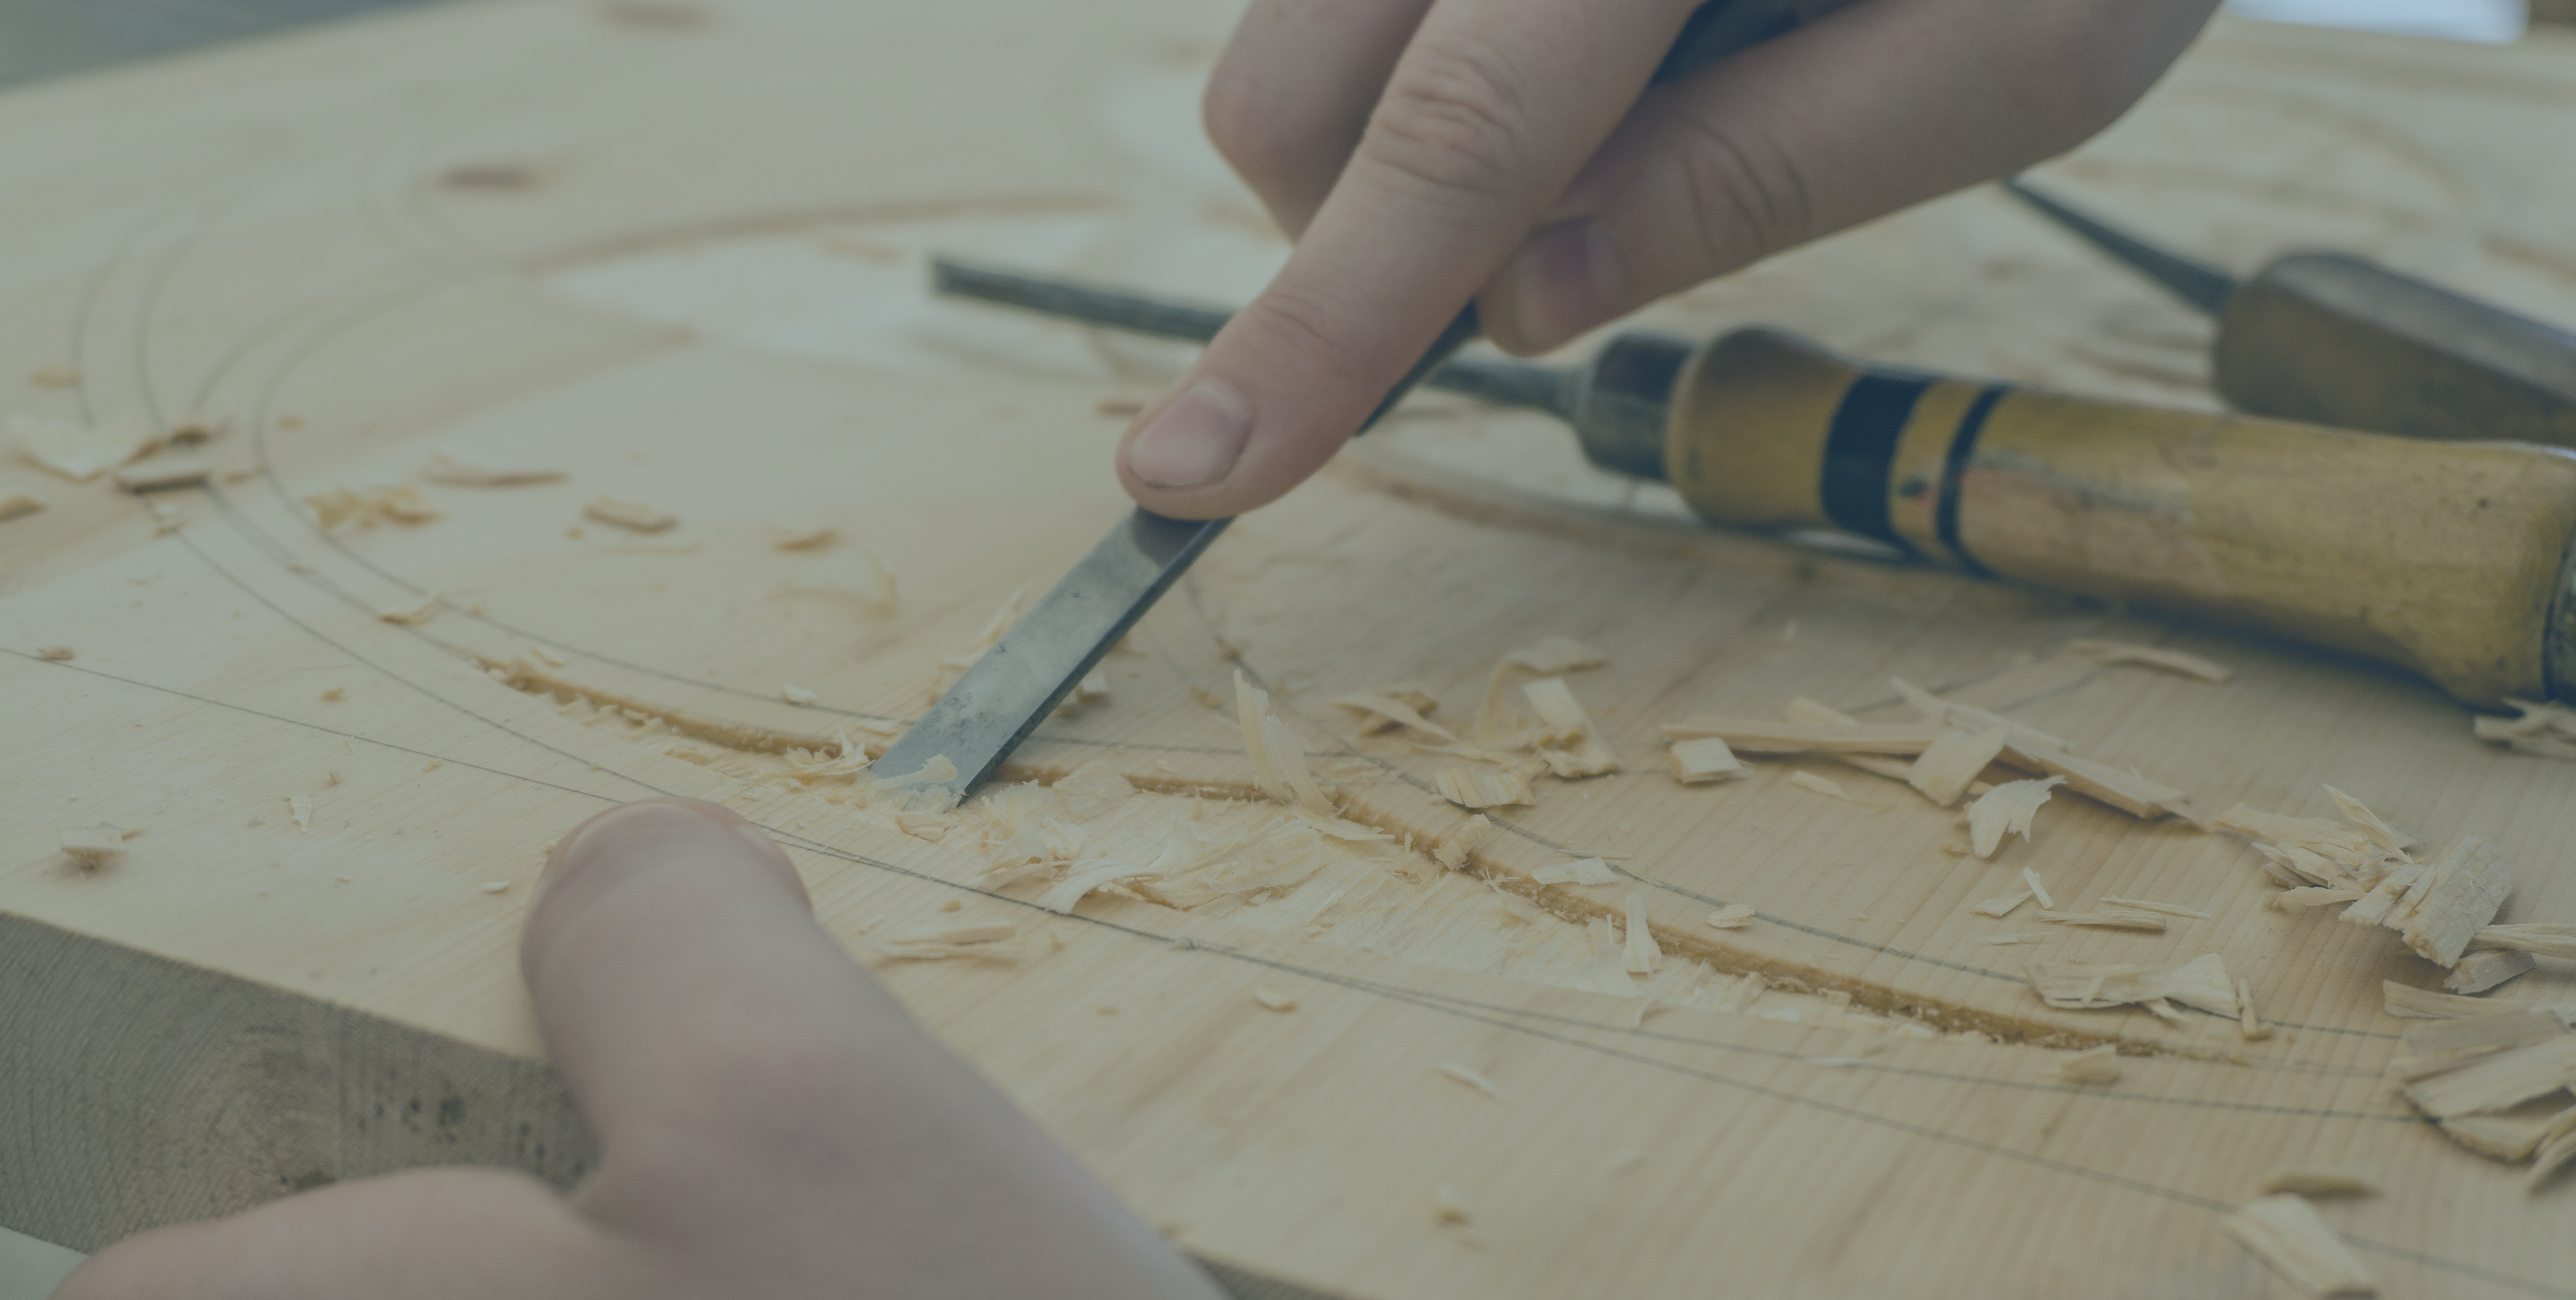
2448, 559
2338, 339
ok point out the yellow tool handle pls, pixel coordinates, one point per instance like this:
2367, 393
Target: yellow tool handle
2444, 558
2341, 340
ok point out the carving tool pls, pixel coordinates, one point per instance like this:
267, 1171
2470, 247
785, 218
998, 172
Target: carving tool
1038, 662
2338, 339
2448, 559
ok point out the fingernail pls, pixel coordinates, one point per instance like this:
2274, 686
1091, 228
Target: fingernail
1564, 281
1196, 439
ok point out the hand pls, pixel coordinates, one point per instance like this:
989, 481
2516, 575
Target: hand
1426, 152
770, 1124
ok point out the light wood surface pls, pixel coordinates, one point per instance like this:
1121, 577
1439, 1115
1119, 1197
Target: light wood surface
680, 260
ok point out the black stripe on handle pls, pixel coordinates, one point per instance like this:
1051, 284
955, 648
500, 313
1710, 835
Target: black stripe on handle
1860, 447
1945, 512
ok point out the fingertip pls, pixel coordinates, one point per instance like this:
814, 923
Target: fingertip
1565, 279
636, 838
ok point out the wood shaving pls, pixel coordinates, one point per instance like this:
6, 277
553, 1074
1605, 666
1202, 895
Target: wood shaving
2540, 940
2423, 1004
1821, 785
1765, 737
1639, 952
465, 469
61, 654
2511, 1136
1450, 1205
1091, 790
2006, 810
2497, 1081
2556, 1150
1279, 758
2306, 896
2109, 918
2038, 889
1270, 1001
2481, 970
2438, 907
2033, 750
2111, 653
2544, 730
2094, 1067
922, 826
2146, 905
2285, 1232
1949, 763
1473, 788
1968, 717
2002, 907
1706, 759
1581, 871
79, 452
92, 847
1733, 916
2319, 1181
367, 507
301, 807
1392, 708
1552, 655
985, 941
166, 518
1452, 850
1475, 1079
496, 886
2508, 1026
160, 473
797, 695
1607, 971
632, 515
2202, 982
16, 504
2248, 1025
1570, 745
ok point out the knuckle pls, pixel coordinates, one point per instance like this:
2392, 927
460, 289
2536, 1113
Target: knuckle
1259, 135
1453, 119
1308, 325
1746, 195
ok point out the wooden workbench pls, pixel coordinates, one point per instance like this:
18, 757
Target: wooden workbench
676, 252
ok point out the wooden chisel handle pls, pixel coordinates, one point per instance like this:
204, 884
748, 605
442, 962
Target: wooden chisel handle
2449, 559
2341, 340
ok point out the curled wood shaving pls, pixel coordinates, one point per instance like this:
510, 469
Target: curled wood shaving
2320, 1180
402, 503
2038, 889
1279, 765
2004, 810
2111, 653
922, 826
2481, 970
1569, 745
2001, 907
2540, 940
2201, 982
15, 504
2544, 729
1194, 869
1270, 1001
1470, 788
1551, 655
1452, 850
2423, 1004
1821, 785
1696, 762
1949, 763
92, 847
2094, 1067
1475, 1079
632, 515
1733, 916
1091, 790
1640, 951
464, 468
2497, 1081
1387, 710
2285, 1232
1581, 871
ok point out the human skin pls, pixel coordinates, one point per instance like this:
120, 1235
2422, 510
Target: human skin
770, 1124
1425, 153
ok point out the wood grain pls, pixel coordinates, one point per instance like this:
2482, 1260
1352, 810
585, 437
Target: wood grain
503, 226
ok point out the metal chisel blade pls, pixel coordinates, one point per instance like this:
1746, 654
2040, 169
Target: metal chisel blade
2196, 283
1035, 665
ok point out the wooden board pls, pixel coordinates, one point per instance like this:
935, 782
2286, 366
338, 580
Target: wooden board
679, 257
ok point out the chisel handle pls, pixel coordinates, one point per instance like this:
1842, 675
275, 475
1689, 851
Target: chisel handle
2445, 558
2336, 339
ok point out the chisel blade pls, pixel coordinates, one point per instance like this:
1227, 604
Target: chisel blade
1036, 664
2197, 284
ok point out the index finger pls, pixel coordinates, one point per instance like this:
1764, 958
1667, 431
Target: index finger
1491, 110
